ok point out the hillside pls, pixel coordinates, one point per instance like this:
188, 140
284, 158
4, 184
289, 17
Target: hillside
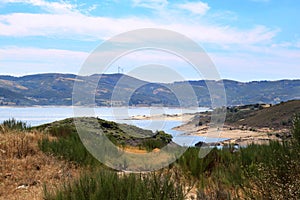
56, 89
277, 117
255, 116
42, 159
119, 134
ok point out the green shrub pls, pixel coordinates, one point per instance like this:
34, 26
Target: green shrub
159, 140
273, 172
70, 148
105, 185
13, 124
296, 128
269, 171
62, 130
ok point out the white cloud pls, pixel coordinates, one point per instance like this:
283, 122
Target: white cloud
297, 44
270, 64
53, 7
199, 8
9, 53
251, 52
18, 61
67, 22
267, 63
153, 4
88, 27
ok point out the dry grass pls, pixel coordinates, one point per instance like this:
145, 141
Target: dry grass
273, 117
24, 169
137, 150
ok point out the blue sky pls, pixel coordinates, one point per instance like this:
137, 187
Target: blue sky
246, 39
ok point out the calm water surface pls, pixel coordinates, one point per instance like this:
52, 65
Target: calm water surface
41, 115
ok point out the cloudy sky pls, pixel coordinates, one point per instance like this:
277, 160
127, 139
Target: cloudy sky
246, 39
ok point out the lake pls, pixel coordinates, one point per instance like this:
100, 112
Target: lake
41, 115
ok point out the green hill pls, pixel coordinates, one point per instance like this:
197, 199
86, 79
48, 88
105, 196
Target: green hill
119, 134
57, 89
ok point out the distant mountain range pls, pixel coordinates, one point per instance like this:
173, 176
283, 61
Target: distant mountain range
57, 89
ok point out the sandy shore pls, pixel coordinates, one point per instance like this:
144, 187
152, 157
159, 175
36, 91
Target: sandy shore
230, 134
165, 117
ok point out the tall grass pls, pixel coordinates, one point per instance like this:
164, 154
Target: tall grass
218, 174
274, 170
269, 171
254, 172
296, 128
68, 146
110, 185
99, 182
13, 124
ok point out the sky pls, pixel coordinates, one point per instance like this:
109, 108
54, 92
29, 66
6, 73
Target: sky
245, 39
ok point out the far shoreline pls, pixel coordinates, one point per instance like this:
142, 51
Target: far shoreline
71, 106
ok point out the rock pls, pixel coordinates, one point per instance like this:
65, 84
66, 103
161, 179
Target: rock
22, 186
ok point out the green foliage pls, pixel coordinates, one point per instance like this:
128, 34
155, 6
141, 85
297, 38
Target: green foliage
296, 128
68, 144
62, 130
13, 124
56, 89
255, 172
105, 185
159, 140
69, 147
269, 171
221, 165
272, 171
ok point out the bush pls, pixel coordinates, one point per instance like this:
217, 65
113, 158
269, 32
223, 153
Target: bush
70, 148
13, 124
296, 128
62, 130
274, 172
159, 140
105, 184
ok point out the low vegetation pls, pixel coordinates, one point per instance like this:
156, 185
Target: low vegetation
254, 172
69, 145
24, 168
269, 171
119, 134
70, 148
277, 116
13, 124
105, 184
